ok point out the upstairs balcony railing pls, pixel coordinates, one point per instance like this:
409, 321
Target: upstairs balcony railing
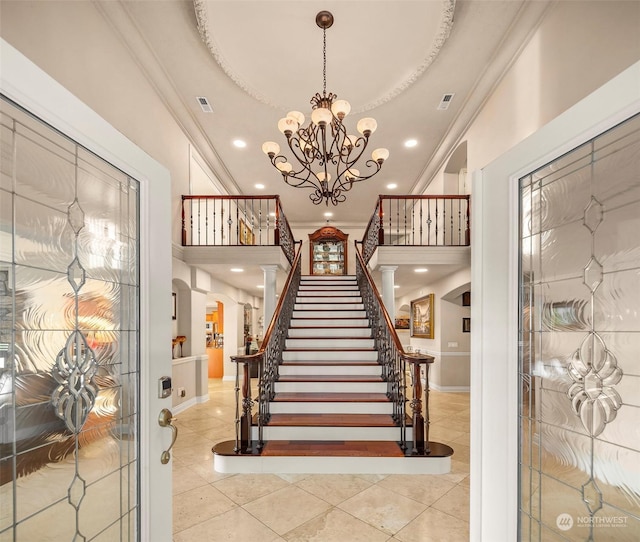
236, 221
418, 221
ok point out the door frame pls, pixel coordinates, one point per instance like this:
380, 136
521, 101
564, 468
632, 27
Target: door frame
30, 87
494, 307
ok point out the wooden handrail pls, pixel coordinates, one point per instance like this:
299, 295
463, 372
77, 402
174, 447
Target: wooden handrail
416, 221
420, 423
265, 378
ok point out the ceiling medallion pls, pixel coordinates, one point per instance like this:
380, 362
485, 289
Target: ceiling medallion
325, 154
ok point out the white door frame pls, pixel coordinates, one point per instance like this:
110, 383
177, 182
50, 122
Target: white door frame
30, 87
494, 307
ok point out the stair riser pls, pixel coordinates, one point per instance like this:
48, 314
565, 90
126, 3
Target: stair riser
328, 307
341, 355
365, 370
330, 408
330, 387
329, 322
333, 343
329, 293
324, 302
330, 433
329, 314
330, 333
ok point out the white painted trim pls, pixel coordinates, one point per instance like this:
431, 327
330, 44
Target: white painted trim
449, 389
437, 354
186, 405
331, 465
494, 370
27, 85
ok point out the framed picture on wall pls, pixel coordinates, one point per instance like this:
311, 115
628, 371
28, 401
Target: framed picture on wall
422, 321
466, 325
402, 323
174, 308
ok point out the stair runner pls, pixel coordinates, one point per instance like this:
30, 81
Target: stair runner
330, 400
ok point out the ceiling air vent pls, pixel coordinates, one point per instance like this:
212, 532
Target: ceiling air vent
204, 104
446, 100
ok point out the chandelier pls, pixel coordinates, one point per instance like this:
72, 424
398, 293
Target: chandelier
325, 153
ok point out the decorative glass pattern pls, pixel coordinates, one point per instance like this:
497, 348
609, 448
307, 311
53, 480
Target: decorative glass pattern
69, 339
580, 337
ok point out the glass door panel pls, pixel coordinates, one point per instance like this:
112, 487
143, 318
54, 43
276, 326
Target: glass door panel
579, 341
69, 355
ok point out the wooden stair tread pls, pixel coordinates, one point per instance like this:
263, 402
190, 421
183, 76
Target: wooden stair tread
330, 363
346, 448
318, 397
330, 378
332, 420
318, 349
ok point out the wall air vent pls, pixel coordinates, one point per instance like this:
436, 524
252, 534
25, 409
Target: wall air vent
204, 104
446, 100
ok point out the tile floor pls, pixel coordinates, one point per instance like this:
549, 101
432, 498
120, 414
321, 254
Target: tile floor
208, 506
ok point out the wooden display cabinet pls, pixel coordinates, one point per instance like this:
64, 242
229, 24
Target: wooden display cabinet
328, 251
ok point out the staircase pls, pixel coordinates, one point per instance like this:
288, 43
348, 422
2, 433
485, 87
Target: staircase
330, 411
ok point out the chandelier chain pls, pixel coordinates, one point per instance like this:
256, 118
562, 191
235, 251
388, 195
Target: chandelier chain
324, 61
325, 153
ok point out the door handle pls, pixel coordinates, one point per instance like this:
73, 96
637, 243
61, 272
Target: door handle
164, 420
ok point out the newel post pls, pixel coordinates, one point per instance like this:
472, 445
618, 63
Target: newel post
420, 423
243, 419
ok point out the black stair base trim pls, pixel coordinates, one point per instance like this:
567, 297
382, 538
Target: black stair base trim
227, 448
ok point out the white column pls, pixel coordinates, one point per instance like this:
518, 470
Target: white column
388, 293
269, 305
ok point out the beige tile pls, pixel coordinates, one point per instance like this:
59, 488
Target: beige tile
293, 478
383, 509
455, 503
234, 526
245, 488
461, 452
205, 470
193, 454
434, 526
302, 507
185, 479
425, 488
334, 488
198, 505
336, 526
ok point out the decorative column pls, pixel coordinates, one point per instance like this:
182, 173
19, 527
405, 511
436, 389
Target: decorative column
269, 304
388, 294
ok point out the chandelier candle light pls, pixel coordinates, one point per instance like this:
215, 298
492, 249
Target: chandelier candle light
324, 151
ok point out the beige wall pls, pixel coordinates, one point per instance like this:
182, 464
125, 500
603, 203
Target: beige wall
578, 47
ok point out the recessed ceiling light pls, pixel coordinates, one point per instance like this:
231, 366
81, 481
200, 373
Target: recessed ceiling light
259, 186
239, 143
272, 213
327, 214
421, 270
410, 143
392, 186
259, 285
237, 270
396, 286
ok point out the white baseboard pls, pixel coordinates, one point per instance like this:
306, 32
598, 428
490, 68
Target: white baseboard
436, 387
202, 398
184, 406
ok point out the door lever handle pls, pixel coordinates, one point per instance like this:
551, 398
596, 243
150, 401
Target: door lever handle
164, 420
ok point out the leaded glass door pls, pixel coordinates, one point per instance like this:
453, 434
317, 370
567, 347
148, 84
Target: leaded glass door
69, 339
580, 343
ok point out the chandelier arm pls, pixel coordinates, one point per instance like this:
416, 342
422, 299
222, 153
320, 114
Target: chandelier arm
314, 153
